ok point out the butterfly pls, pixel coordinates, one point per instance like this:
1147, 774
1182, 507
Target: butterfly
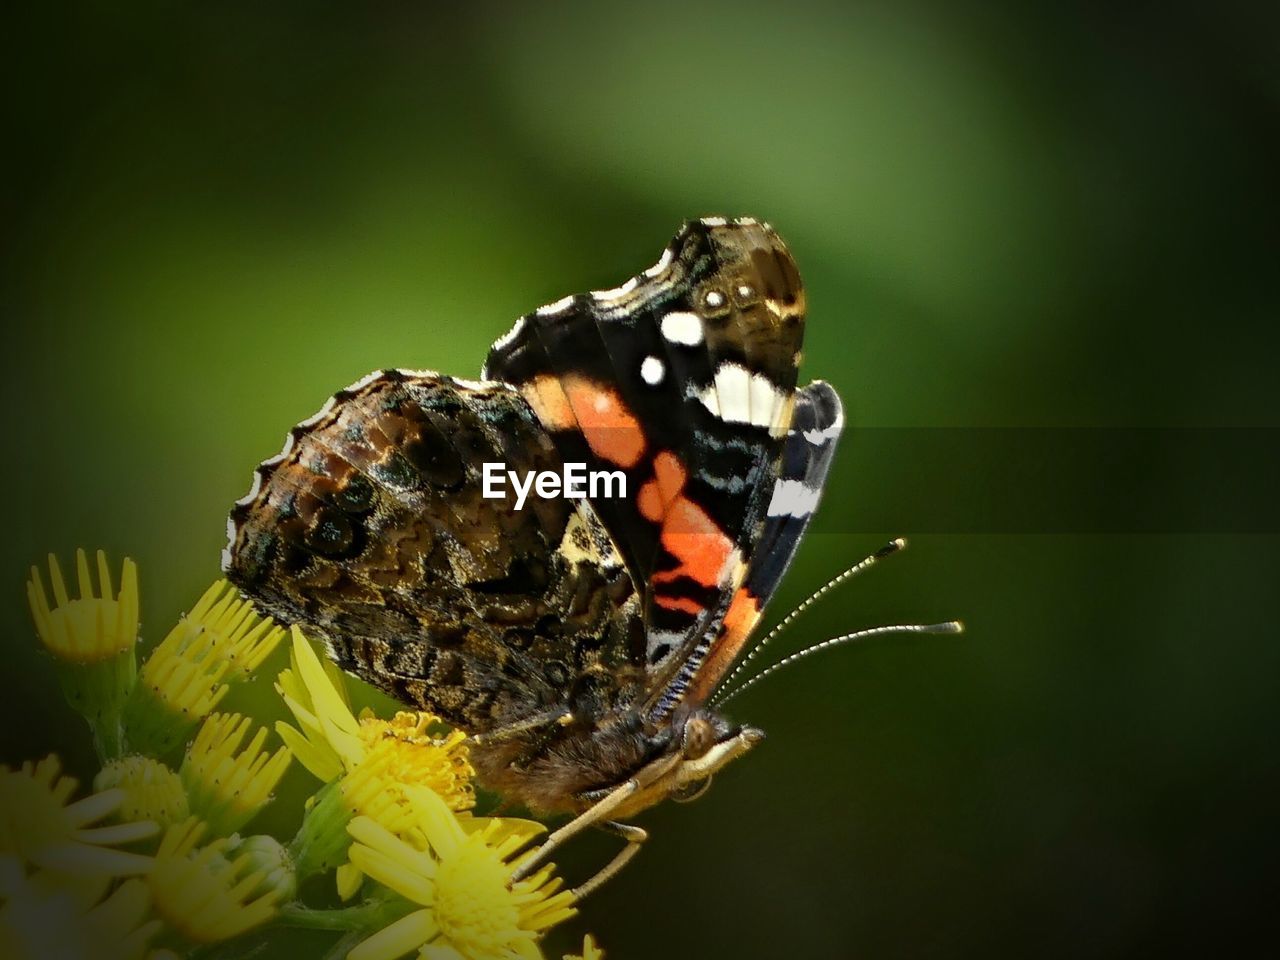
577, 640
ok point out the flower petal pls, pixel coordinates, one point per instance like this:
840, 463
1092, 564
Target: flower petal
405, 935
119, 833
94, 807
74, 857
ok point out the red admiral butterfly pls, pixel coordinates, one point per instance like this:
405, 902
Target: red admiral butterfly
577, 641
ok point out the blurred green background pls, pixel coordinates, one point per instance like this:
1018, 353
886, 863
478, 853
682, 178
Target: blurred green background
1031, 216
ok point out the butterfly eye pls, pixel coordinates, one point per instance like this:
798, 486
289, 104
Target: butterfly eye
745, 294
715, 303
699, 737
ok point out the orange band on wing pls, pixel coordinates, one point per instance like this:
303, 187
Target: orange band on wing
670, 475
740, 619
610, 428
550, 405
649, 502
692, 537
683, 604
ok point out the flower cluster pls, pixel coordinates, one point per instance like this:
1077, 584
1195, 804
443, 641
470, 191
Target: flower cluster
158, 860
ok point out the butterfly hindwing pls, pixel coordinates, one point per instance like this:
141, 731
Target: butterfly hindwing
372, 531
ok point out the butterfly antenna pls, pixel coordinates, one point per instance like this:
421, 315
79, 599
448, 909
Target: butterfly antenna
890, 548
951, 626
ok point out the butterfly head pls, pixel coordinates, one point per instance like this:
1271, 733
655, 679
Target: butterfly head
700, 744
708, 742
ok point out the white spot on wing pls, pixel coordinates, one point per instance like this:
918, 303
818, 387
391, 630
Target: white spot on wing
830, 432
551, 309
652, 371
714, 222
616, 292
319, 415
662, 264
791, 498
764, 402
505, 340
231, 539
682, 327
363, 382
671, 639
740, 396
733, 384
819, 437
248, 498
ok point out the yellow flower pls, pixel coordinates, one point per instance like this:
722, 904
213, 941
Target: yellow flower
41, 919
39, 826
589, 950
91, 627
226, 790
371, 760
470, 909
329, 740
244, 639
151, 790
189, 672
92, 638
268, 855
201, 893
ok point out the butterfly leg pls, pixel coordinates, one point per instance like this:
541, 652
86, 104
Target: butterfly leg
520, 727
634, 836
599, 812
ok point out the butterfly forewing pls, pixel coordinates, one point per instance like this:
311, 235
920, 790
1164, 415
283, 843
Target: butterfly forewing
684, 379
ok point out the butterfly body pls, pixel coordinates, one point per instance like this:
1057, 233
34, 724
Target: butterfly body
576, 640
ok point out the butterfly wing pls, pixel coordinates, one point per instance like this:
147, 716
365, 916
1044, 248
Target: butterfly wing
372, 531
683, 380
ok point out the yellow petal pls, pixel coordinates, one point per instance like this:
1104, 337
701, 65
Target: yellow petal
94, 807
437, 821
119, 833
321, 763
395, 873
80, 857
349, 878
441, 951
324, 697
405, 935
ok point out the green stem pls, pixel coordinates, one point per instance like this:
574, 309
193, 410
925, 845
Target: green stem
108, 738
344, 946
359, 917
